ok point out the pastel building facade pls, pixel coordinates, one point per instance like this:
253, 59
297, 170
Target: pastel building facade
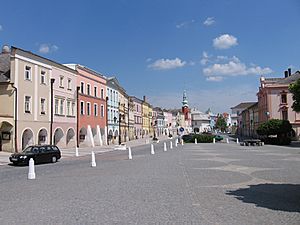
138, 117
29, 103
91, 101
112, 92
146, 117
64, 106
275, 101
168, 123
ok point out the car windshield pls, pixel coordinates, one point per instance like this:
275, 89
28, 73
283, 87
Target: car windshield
27, 150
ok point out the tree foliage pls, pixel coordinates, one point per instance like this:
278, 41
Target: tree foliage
274, 127
221, 123
295, 89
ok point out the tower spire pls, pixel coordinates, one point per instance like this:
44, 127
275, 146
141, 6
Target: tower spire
184, 101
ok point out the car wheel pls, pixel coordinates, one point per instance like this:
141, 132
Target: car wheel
53, 159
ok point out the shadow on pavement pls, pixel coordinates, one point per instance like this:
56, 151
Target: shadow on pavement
283, 197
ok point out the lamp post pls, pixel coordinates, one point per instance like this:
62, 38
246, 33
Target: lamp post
106, 121
113, 137
78, 114
120, 117
52, 80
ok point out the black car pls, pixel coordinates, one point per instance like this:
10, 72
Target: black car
39, 153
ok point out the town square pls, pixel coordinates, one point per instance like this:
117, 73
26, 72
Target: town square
191, 184
150, 112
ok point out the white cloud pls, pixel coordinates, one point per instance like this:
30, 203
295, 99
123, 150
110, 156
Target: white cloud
184, 24
167, 64
47, 48
234, 67
148, 59
225, 41
215, 79
205, 58
209, 21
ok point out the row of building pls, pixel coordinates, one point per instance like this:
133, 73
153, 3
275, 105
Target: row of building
69, 105
274, 101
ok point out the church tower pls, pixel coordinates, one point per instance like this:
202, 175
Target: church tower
185, 106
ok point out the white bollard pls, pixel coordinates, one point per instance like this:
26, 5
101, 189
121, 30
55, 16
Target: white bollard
152, 149
31, 173
237, 141
171, 145
227, 140
76, 152
181, 141
196, 141
176, 143
129, 153
93, 160
214, 141
165, 147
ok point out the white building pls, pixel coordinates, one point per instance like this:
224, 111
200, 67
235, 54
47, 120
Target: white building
200, 121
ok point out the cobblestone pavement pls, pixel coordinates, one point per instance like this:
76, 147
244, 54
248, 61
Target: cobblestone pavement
190, 184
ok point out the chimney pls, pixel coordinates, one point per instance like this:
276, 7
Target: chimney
5, 49
286, 73
290, 71
144, 98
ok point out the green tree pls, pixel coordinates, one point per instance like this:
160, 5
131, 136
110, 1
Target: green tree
295, 89
221, 123
275, 127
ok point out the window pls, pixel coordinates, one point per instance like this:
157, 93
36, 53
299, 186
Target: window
88, 108
81, 108
95, 91
82, 87
88, 89
43, 106
27, 104
102, 93
27, 73
69, 84
285, 115
43, 77
68, 108
95, 109
61, 108
73, 109
56, 106
283, 98
102, 111
61, 82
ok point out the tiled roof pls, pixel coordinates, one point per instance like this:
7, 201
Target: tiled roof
290, 79
243, 105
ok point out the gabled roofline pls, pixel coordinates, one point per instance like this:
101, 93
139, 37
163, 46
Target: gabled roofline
16, 50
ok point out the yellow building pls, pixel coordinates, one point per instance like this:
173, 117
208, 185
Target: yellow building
151, 122
146, 117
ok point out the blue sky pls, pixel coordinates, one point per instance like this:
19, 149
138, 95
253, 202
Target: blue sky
216, 50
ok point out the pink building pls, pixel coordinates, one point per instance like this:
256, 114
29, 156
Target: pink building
275, 100
168, 123
138, 116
